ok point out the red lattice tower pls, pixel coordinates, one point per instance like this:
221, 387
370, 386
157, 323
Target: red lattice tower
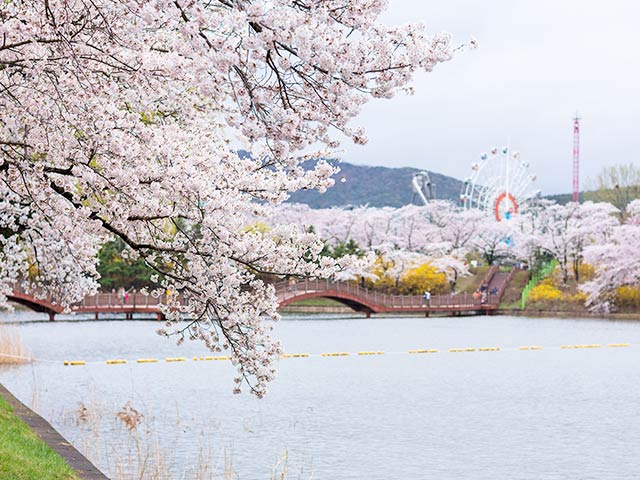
575, 197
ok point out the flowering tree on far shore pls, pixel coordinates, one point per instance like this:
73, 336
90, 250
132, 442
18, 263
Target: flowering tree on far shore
403, 238
392, 264
617, 261
493, 240
444, 237
566, 230
120, 118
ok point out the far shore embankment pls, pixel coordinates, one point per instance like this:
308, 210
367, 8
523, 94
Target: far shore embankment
336, 308
515, 312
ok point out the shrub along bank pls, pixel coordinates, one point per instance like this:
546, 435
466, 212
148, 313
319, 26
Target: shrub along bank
551, 294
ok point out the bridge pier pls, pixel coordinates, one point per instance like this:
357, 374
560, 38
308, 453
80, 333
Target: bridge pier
95, 316
52, 316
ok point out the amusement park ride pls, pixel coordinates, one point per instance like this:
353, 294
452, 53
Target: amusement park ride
422, 188
575, 196
500, 184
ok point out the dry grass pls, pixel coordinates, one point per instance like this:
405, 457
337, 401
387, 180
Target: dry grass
131, 417
136, 453
12, 352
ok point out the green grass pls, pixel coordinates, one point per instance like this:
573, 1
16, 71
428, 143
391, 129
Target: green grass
23, 456
319, 302
470, 284
510, 305
512, 297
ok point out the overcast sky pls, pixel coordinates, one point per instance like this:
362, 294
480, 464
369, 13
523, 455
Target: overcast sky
538, 62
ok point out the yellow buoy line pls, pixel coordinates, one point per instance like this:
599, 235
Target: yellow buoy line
121, 361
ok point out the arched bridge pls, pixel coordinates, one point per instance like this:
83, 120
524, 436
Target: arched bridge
368, 301
358, 298
134, 302
43, 305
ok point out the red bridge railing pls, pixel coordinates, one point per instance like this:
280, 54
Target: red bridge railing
129, 300
286, 292
290, 290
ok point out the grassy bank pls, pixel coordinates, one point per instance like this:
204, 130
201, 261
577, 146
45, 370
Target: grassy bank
318, 302
535, 313
470, 283
23, 456
512, 297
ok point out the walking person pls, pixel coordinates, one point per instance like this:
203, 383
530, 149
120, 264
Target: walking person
427, 298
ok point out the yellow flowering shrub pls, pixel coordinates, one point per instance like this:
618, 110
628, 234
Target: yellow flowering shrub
586, 272
544, 293
628, 297
383, 281
422, 279
549, 281
578, 297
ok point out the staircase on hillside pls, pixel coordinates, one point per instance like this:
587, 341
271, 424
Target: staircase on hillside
495, 283
499, 281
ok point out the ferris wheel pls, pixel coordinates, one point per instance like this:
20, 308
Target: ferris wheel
500, 184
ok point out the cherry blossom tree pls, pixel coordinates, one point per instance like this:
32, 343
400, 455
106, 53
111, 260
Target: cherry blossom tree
404, 237
394, 263
493, 240
444, 235
528, 237
449, 225
439, 225
566, 230
633, 212
616, 261
450, 230
121, 118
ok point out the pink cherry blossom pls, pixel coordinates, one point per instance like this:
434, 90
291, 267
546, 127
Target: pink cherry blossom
121, 118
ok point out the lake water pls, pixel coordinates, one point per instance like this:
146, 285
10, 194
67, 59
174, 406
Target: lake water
509, 414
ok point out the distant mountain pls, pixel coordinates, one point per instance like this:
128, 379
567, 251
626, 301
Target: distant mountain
376, 187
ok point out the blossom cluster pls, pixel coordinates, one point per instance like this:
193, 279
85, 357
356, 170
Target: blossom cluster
445, 235
122, 118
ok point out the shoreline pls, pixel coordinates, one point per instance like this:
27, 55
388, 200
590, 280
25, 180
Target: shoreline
563, 314
83, 468
337, 309
514, 312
